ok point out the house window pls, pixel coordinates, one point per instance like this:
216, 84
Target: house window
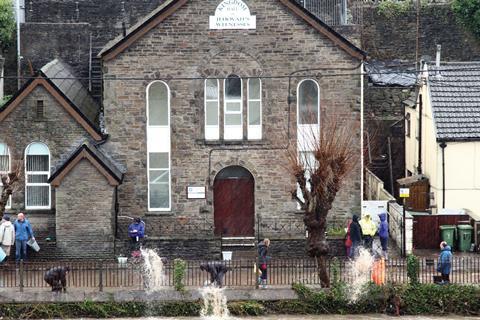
5, 167
39, 109
212, 102
407, 124
254, 109
37, 172
233, 128
158, 144
308, 114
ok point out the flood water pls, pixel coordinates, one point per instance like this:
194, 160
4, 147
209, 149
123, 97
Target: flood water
317, 317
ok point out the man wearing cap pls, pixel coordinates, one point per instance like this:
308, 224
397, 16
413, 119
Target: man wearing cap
7, 235
23, 232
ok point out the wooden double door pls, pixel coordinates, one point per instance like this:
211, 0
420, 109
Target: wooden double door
234, 205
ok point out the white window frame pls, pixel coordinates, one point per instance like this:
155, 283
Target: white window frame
159, 145
232, 132
306, 133
212, 132
27, 184
254, 132
9, 202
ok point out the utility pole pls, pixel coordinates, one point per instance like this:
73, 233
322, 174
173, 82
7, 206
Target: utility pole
19, 57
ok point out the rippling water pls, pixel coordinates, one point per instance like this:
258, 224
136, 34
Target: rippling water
318, 317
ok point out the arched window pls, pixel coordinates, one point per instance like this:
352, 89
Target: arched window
5, 165
254, 109
233, 129
308, 102
37, 172
158, 144
212, 102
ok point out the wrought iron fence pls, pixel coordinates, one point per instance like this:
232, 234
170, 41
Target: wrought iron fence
336, 12
110, 275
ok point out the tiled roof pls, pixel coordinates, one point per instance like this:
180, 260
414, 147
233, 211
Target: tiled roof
455, 94
64, 79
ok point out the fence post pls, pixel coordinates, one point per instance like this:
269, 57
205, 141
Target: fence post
100, 277
21, 275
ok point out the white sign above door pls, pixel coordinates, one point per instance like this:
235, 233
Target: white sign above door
233, 14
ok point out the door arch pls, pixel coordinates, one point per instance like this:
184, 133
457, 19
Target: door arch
233, 201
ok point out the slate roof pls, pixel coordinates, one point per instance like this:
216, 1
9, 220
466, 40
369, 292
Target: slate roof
307, 15
113, 168
62, 76
455, 96
391, 73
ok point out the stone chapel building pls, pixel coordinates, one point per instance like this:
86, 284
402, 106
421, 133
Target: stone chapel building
200, 102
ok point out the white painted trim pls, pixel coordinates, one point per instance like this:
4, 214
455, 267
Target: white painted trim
167, 142
38, 184
212, 132
232, 132
254, 132
305, 131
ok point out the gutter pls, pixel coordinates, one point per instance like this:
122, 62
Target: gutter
420, 112
443, 145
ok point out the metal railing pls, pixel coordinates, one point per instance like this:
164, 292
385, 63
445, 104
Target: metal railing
101, 275
336, 12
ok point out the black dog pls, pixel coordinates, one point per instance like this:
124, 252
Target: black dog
57, 278
217, 271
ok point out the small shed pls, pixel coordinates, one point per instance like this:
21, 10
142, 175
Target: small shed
419, 199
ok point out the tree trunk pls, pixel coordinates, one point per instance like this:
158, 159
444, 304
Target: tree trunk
317, 245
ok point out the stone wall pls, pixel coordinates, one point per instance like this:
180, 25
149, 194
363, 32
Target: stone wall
387, 38
85, 213
277, 46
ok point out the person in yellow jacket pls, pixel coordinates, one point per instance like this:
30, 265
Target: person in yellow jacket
369, 228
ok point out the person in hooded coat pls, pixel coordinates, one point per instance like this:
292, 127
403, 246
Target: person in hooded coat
445, 262
368, 230
217, 272
355, 236
7, 235
262, 261
57, 278
136, 233
383, 233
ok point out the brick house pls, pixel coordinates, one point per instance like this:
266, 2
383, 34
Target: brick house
201, 100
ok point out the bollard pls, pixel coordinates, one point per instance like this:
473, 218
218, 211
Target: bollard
100, 277
21, 275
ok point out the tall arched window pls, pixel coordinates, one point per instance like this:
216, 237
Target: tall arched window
158, 144
233, 128
37, 172
5, 165
212, 102
308, 114
254, 109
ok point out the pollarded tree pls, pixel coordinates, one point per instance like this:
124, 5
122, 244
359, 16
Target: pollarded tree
319, 174
10, 172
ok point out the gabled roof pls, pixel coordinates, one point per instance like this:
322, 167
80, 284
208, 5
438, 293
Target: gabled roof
121, 43
67, 93
97, 158
455, 98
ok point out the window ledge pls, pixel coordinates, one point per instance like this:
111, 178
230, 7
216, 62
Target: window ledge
231, 142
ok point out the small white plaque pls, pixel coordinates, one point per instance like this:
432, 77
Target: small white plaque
195, 192
404, 192
233, 14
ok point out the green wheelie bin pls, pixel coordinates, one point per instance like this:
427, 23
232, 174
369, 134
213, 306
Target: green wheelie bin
447, 233
464, 233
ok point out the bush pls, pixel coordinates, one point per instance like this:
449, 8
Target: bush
179, 268
468, 14
7, 24
246, 308
413, 267
394, 8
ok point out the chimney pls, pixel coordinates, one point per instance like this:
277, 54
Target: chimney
439, 50
2, 61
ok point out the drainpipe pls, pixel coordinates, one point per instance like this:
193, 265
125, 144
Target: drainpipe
420, 112
443, 145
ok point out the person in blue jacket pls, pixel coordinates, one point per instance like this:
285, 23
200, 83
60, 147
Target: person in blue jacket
383, 233
445, 262
136, 232
23, 232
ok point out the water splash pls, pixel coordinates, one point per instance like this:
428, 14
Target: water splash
154, 275
361, 269
214, 303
